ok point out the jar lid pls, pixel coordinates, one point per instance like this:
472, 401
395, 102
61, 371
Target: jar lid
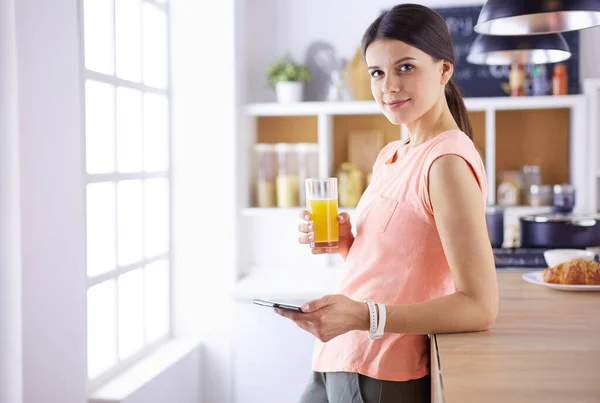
264, 147
563, 188
284, 147
536, 189
307, 147
528, 169
492, 208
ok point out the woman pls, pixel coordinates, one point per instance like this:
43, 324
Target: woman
421, 250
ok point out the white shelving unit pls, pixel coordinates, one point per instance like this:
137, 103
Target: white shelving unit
325, 111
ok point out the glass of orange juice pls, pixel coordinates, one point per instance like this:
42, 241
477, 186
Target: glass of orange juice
322, 204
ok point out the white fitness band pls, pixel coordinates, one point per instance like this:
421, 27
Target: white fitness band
381, 324
372, 317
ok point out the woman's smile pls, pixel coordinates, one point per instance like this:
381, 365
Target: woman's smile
396, 103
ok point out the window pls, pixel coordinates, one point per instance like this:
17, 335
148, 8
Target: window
127, 136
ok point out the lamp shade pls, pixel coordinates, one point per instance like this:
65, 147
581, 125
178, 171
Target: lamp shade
505, 50
533, 17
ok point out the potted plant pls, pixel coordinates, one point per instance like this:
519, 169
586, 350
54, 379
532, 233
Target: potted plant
287, 78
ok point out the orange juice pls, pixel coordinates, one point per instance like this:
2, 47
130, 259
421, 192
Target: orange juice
324, 217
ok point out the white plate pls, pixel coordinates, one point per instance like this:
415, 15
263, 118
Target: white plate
537, 277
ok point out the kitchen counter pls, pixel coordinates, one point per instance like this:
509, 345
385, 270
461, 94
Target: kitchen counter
544, 347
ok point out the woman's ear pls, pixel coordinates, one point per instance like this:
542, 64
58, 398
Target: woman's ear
447, 72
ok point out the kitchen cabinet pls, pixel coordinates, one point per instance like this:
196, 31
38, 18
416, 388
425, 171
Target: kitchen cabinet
272, 356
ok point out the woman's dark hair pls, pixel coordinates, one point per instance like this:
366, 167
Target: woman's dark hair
426, 30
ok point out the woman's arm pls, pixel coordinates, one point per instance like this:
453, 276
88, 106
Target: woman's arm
460, 219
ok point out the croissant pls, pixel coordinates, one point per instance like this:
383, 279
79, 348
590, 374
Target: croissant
574, 272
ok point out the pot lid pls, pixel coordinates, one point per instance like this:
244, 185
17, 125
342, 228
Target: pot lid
543, 218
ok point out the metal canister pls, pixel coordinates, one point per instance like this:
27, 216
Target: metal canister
564, 198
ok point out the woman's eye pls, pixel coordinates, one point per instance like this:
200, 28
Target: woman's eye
406, 67
376, 73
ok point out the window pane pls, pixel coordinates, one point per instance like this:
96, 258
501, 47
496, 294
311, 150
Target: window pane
155, 46
156, 133
157, 300
129, 130
101, 228
101, 328
98, 32
129, 225
156, 218
99, 127
128, 15
131, 313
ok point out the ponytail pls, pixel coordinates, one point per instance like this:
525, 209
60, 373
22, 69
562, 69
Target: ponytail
458, 109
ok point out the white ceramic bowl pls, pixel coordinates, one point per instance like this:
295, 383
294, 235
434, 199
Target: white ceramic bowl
555, 257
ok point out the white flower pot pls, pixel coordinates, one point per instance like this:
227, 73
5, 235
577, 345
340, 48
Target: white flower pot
289, 91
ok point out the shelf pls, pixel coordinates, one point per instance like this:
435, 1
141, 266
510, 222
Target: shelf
261, 212
314, 108
371, 108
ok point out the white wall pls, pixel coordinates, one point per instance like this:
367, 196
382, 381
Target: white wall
10, 246
204, 171
180, 383
52, 202
275, 27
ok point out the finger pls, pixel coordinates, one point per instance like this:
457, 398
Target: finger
317, 304
306, 227
343, 218
322, 251
306, 239
305, 215
286, 314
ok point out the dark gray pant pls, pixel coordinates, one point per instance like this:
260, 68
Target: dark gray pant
346, 387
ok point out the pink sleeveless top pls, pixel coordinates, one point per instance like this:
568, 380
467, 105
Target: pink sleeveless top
397, 258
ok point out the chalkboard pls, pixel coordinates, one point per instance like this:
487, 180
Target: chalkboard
485, 81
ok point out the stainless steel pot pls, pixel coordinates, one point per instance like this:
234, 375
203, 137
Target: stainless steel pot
494, 218
560, 231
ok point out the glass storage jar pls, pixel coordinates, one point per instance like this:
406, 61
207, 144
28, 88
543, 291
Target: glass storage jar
308, 166
287, 176
350, 184
531, 176
540, 195
265, 171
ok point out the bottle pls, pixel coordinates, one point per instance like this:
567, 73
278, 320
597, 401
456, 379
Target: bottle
540, 84
517, 79
560, 80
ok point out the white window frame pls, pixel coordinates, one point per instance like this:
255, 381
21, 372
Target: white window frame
116, 177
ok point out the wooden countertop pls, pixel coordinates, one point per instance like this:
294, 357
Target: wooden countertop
544, 347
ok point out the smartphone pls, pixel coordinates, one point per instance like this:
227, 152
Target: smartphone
279, 305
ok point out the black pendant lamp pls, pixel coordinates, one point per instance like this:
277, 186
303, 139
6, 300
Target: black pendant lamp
532, 17
506, 50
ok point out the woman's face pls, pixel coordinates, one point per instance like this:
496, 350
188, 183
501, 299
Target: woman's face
406, 82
